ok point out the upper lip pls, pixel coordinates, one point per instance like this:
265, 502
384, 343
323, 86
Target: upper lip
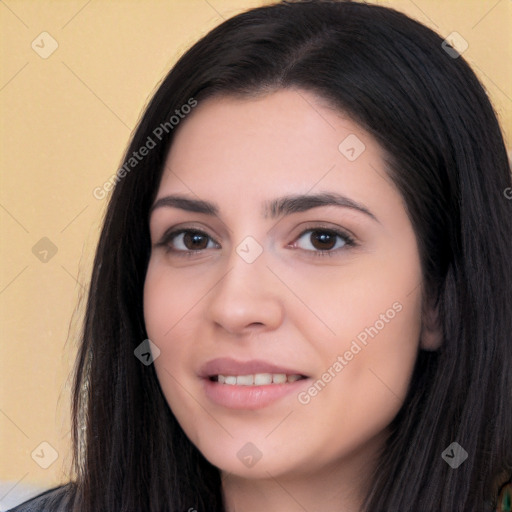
228, 366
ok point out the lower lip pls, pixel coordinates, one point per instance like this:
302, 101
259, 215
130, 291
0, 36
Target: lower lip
249, 397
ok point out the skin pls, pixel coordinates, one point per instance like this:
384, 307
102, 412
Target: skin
289, 306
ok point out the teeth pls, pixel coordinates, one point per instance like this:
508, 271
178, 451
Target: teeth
245, 380
278, 378
258, 379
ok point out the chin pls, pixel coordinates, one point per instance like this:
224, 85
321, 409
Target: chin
246, 459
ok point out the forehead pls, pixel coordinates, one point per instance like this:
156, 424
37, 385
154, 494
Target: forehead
289, 141
286, 125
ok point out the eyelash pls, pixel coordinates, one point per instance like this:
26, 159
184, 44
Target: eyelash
168, 237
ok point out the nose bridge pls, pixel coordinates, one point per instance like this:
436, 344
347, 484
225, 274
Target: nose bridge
246, 269
247, 293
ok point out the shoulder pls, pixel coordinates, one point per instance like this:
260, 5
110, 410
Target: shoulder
58, 499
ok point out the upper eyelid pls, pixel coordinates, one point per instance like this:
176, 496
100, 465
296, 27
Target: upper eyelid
311, 224
173, 232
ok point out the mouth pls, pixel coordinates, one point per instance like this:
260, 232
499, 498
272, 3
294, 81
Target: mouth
248, 373
256, 379
253, 384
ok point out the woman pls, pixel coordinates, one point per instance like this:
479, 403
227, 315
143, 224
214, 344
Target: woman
301, 297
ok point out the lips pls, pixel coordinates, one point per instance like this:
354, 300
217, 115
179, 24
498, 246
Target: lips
228, 366
235, 385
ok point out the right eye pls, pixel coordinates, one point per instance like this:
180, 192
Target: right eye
187, 242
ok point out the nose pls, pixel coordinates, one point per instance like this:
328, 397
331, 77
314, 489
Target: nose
247, 297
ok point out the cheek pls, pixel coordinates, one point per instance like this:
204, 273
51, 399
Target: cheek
380, 357
372, 359
333, 304
362, 384
167, 307
372, 318
169, 296
156, 304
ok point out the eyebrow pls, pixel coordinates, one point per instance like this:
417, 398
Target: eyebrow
273, 209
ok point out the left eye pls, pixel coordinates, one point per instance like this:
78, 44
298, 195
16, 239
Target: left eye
324, 240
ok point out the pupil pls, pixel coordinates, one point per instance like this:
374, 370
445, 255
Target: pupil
193, 239
324, 239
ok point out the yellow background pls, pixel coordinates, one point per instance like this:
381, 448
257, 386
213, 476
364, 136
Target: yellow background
66, 121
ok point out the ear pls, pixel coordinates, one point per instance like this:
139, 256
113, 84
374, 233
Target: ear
431, 335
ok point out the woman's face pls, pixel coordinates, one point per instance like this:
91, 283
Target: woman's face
272, 280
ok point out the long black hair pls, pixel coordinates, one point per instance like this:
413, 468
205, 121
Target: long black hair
446, 156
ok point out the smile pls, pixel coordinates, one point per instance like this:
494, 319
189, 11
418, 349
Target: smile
257, 379
251, 384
